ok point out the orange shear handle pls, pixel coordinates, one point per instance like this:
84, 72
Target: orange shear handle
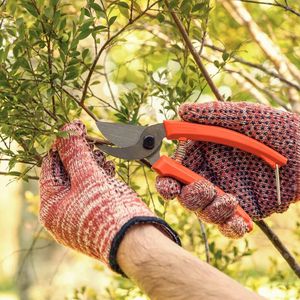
176, 130
166, 166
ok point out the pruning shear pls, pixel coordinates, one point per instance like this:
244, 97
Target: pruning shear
144, 142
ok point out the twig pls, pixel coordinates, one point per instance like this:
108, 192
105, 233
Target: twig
256, 66
204, 237
204, 33
27, 176
148, 188
49, 54
80, 104
194, 53
255, 83
131, 11
279, 246
275, 3
108, 82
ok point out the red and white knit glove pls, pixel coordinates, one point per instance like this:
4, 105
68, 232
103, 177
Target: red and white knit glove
83, 206
247, 179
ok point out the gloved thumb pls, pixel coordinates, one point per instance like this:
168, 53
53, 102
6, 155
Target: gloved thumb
74, 151
54, 182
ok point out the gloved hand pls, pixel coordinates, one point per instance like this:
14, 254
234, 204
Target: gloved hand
247, 179
82, 205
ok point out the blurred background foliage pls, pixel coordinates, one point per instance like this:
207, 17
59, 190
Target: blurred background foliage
125, 61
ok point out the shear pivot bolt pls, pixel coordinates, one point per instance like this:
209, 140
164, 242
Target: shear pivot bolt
149, 142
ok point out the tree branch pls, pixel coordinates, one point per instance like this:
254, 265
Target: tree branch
80, 104
194, 53
282, 64
275, 3
204, 237
28, 176
256, 66
279, 246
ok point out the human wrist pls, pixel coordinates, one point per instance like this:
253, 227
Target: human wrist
138, 233
138, 245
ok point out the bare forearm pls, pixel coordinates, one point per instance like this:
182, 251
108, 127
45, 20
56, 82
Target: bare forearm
166, 271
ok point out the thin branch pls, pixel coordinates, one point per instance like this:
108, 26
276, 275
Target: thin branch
108, 41
89, 112
256, 84
256, 66
282, 64
49, 55
108, 82
148, 188
275, 3
131, 10
204, 34
194, 53
27, 176
204, 237
279, 246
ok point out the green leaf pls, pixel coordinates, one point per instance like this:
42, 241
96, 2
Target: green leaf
87, 12
85, 53
218, 254
112, 20
96, 7
72, 72
49, 12
160, 17
31, 9
173, 3
225, 56
84, 34
216, 63
123, 4
98, 28
54, 2
198, 6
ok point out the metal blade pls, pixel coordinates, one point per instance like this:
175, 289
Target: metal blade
129, 153
153, 157
138, 151
122, 135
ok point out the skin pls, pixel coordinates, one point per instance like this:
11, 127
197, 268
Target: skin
166, 271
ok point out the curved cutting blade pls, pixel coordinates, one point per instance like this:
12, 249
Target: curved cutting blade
137, 150
122, 135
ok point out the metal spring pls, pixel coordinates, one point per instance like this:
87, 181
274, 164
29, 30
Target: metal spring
180, 151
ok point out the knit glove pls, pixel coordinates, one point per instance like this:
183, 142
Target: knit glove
83, 205
247, 179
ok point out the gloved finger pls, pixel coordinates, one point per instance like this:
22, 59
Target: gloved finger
220, 210
236, 116
169, 188
197, 195
99, 157
54, 179
234, 228
74, 151
109, 168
